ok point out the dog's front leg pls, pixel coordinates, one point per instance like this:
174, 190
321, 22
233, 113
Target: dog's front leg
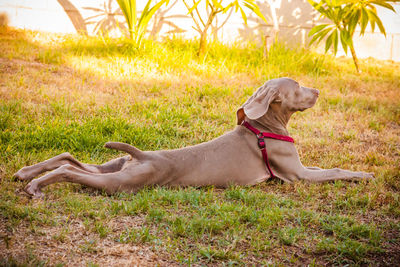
321, 175
313, 168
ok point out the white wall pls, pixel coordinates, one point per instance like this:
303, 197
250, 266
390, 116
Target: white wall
296, 18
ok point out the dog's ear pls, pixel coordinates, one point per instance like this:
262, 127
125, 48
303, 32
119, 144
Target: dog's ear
240, 116
257, 105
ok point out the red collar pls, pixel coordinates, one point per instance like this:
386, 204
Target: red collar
261, 142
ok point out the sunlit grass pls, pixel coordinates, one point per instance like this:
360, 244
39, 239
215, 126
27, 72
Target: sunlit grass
70, 93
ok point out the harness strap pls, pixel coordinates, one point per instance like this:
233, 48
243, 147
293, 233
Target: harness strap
261, 142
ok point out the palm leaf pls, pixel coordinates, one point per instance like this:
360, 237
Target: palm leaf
145, 17
244, 17
343, 41
256, 9
320, 35
375, 18
317, 28
364, 20
384, 4
335, 41
328, 43
128, 8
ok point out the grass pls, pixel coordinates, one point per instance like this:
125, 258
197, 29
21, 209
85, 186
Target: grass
70, 93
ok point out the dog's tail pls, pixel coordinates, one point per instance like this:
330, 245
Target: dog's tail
133, 151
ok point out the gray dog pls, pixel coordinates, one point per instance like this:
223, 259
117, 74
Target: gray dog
257, 149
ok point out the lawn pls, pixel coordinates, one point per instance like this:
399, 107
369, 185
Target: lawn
63, 93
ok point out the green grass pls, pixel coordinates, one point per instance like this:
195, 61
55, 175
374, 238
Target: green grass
70, 93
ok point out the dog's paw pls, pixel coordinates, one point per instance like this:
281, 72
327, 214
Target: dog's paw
33, 190
108, 145
23, 174
368, 175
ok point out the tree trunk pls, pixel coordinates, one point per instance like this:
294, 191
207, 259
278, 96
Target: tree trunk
355, 59
203, 37
273, 5
203, 43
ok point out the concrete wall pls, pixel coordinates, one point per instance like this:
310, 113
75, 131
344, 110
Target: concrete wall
295, 17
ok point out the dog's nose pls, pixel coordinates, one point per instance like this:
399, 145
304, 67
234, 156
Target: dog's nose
316, 92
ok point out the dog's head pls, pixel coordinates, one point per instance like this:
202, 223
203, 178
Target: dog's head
285, 94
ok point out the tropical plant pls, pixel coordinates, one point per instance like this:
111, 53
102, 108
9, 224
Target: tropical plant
213, 8
345, 16
137, 27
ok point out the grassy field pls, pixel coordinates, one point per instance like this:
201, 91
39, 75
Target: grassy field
68, 93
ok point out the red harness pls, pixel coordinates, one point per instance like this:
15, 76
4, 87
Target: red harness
261, 142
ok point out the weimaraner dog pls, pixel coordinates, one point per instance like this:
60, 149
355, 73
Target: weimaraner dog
241, 157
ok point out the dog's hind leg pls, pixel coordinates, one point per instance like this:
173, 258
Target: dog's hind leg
125, 180
30, 172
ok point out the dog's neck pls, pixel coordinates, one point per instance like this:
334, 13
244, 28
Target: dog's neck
274, 121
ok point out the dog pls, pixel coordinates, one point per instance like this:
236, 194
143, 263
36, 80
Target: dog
257, 149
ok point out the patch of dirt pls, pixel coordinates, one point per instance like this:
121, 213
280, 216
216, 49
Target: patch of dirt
76, 246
